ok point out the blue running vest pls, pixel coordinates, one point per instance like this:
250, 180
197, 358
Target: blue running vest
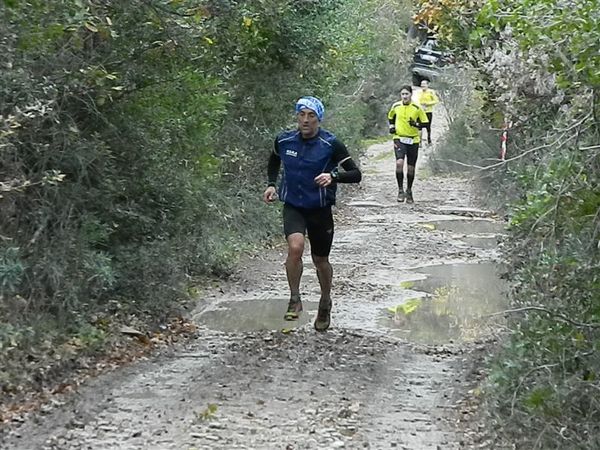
303, 160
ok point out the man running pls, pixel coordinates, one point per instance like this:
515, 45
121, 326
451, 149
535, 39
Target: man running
427, 98
406, 118
311, 156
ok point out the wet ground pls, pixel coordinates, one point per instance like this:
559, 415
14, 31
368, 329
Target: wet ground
414, 286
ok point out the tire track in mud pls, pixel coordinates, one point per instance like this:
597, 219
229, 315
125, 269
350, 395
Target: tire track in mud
359, 385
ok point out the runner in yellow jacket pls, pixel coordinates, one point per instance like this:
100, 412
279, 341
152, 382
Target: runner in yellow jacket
427, 98
406, 119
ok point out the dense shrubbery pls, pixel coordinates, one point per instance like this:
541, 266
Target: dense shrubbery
538, 62
468, 141
133, 143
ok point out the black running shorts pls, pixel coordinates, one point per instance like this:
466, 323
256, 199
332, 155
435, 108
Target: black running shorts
410, 151
317, 223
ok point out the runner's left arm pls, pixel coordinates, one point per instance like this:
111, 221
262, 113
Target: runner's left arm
341, 157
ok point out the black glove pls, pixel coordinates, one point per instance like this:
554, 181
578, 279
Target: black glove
412, 123
392, 129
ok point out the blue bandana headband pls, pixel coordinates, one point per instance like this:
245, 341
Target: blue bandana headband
312, 103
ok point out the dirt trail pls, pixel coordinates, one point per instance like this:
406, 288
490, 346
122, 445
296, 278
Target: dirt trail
384, 376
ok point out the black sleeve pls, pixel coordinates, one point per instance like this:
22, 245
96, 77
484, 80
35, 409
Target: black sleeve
351, 173
392, 120
273, 165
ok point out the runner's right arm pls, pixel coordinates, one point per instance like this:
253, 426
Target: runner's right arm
392, 119
273, 165
272, 172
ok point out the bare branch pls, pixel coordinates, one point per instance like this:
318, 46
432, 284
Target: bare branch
472, 166
535, 369
531, 150
547, 311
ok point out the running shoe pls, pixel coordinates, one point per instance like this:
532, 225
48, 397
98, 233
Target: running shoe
409, 197
401, 196
294, 309
323, 316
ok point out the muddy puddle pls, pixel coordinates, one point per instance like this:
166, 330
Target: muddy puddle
455, 308
435, 304
464, 226
253, 315
485, 242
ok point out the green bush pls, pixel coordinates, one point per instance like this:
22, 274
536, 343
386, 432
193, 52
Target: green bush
134, 138
536, 62
11, 270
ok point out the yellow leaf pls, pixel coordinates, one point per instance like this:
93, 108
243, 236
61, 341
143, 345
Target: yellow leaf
411, 305
476, 392
428, 226
247, 22
91, 27
209, 40
406, 308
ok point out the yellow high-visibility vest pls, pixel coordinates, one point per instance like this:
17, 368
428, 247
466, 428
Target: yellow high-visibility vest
401, 114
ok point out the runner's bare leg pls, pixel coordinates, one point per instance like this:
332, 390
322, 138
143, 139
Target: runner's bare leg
325, 275
293, 263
